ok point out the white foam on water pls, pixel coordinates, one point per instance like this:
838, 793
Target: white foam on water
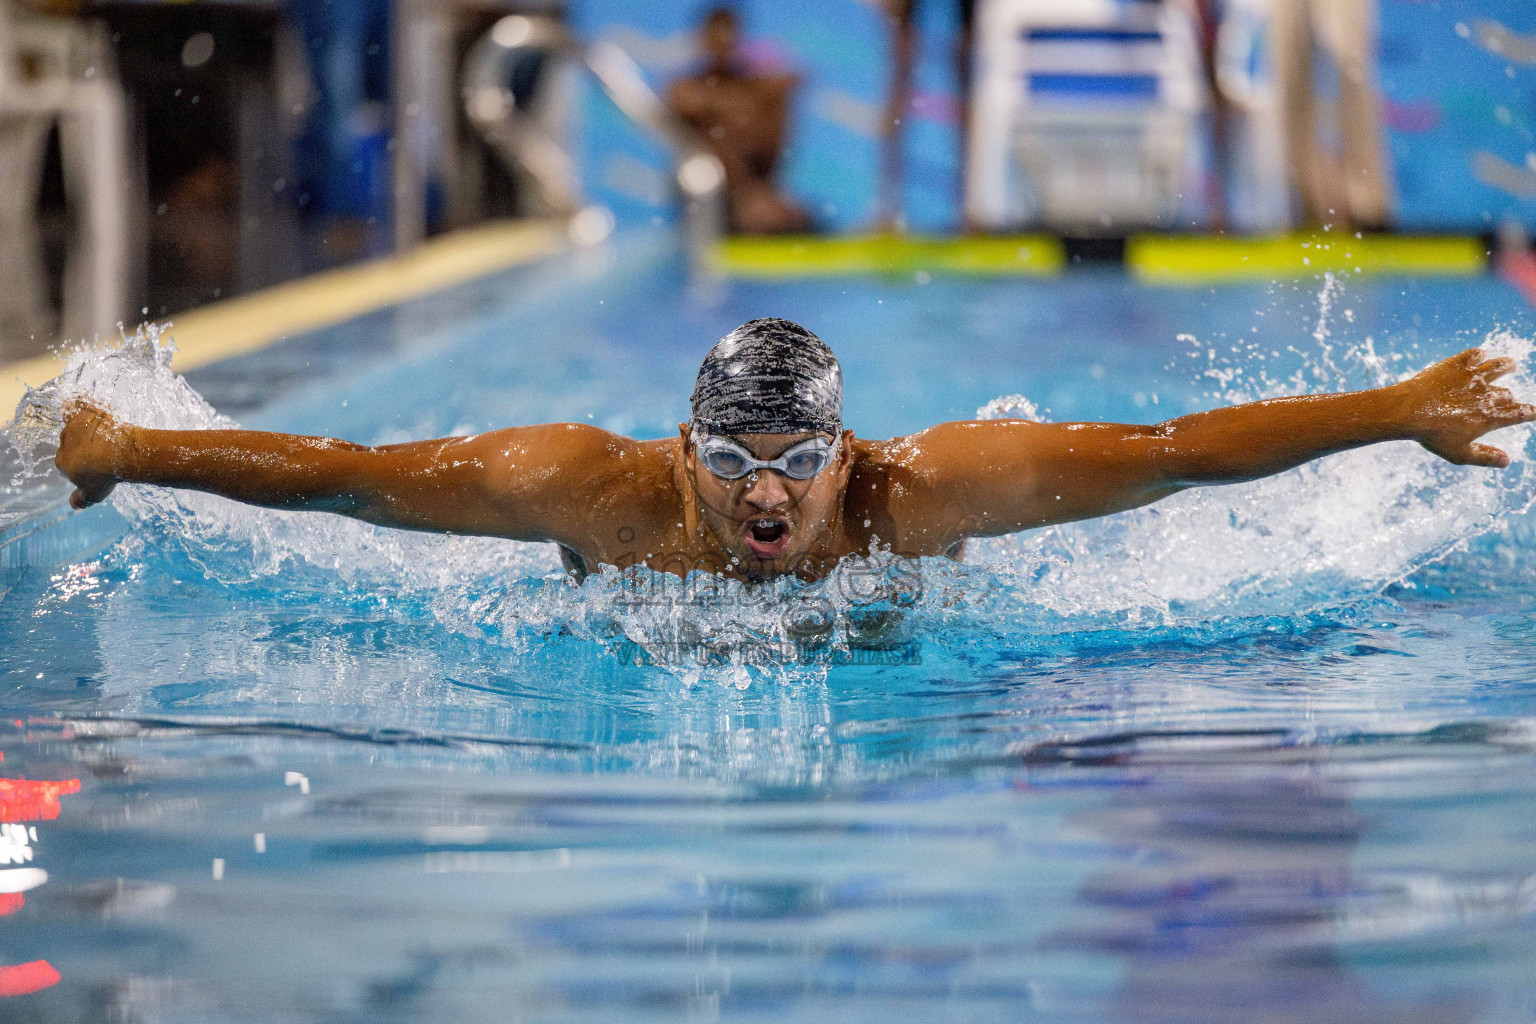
1321, 536
1326, 533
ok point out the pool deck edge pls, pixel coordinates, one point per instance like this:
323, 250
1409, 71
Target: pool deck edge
248, 323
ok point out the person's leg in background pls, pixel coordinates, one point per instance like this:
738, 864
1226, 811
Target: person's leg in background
335, 65
26, 326
898, 99
1207, 19
1291, 32
343, 41
963, 65
1347, 28
902, 15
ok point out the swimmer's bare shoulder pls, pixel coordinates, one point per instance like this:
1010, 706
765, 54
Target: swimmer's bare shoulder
896, 498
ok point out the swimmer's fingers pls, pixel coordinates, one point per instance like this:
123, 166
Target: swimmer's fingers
1504, 410
1484, 455
1493, 369
85, 410
86, 497
1473, 454
1499, 401
1510, 408
84, 421
87, 453
1468, 358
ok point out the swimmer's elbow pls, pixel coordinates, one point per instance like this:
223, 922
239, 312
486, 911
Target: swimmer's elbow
1166, 465
367, 505
1205, 474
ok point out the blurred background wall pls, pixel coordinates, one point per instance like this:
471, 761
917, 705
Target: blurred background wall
1457, 83
163, 155
1459, 88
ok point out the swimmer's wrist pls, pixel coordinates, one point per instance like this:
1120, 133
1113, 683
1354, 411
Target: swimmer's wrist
1399, 411
127, 462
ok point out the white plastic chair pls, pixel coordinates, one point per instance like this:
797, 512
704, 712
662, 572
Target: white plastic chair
61, 72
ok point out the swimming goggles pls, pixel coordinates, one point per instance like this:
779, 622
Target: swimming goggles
730, 461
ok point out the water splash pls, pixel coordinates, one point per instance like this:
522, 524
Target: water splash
1010, 407
129, 377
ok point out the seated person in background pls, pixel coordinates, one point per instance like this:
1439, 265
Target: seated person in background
741, 117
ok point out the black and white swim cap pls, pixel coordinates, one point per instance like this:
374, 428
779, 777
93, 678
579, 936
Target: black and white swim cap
769, 376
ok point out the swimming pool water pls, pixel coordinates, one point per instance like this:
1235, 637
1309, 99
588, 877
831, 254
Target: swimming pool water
1263, 753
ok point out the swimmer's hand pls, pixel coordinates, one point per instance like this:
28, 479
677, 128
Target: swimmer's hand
1454, 402
91, 448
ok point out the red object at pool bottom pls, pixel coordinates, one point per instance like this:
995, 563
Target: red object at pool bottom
26, 800
24, 979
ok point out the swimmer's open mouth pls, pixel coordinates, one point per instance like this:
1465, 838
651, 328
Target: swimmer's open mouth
768, 538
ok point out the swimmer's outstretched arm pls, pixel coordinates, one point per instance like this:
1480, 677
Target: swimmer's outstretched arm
523, 483
992, 477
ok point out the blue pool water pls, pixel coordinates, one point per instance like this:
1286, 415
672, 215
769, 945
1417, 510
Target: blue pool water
1262, 753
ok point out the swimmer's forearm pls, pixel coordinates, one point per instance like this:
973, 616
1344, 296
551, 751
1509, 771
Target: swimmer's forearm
1446, 407
1246, 442
1001, 476
1019, 475
283, 471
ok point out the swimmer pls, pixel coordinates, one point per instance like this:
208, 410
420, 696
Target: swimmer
765, 480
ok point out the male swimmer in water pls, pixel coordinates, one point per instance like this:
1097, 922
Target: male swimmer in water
765, 481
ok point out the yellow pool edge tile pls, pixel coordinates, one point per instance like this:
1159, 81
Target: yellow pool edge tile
251, 322
787, 257
1165, 259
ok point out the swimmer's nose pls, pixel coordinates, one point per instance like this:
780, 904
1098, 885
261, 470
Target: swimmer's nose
765, 492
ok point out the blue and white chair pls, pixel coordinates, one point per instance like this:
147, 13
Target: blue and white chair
1087, 116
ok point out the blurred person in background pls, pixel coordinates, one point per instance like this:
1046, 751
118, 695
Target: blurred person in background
1207, 19
742, 117
24, 313
1251, 181
1349, 186
903, 21
62, 8
343, 156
